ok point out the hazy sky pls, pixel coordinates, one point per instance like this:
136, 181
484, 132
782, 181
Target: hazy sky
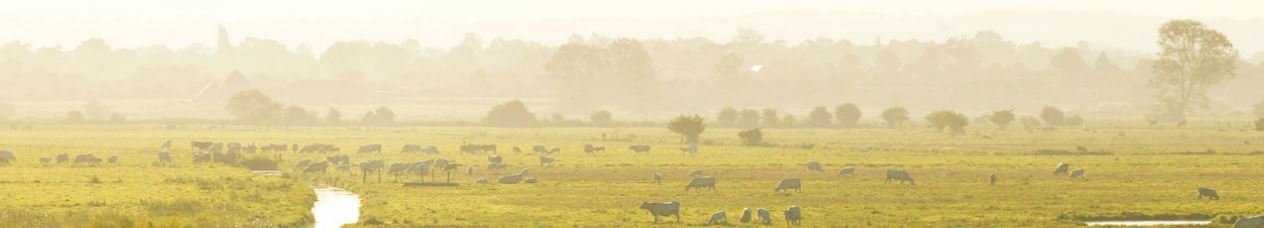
178, 23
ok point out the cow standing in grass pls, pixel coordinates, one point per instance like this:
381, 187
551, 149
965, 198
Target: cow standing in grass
640, 148
1209, 193
718, 218
1061, 168
899, 175
371, 148
789, 184
793, 215
847, 171
765, 217
815, 166
546, 161
1078, 173
662, 209
700, 183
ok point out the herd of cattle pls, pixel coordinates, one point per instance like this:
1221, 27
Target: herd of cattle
6, 157
231, 153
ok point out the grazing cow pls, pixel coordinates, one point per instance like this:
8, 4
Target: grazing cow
765, 217
664, 209
1209, 193
200, 145
398, 168
899, 175
411, 148
494, 159
793, 215
87, 159
496, 166
164, 157
113, 159
63, 158
695, 173
658, 178
201, 157
216, 148
469, 149
1250, 222
992, 179
719, 217
1061, 168
539, 149
789, 184
7, 155
367, 167
1077, 173
46, 160
531, 180
640, 148
555, 150
480, 181
337, 159
701, 182
589, 148
431, 150
692, 148
546, 161
317, 167
815, 166
746, 215
511, 179
847, 171
371, 148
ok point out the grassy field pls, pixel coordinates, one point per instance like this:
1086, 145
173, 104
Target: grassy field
1132, 173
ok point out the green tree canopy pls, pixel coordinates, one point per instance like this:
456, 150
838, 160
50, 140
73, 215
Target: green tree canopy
381, 116
510, 114
819, 117
1002, 118
947, 120
847, 115
895, 116
253, 106
691, 127
1193, 57
751, 137
601, 118
1052, 116
727, 116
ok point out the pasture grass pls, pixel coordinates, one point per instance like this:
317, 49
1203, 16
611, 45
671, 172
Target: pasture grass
1132, 173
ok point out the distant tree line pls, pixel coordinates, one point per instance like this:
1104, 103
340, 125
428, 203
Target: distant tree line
255, 107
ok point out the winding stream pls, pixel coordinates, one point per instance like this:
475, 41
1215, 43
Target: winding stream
335, 207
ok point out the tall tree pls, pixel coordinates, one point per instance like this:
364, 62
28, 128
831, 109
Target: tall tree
1193, 57
847, 115
895, 116
819, 117
691, 127
727, 116
255, 107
